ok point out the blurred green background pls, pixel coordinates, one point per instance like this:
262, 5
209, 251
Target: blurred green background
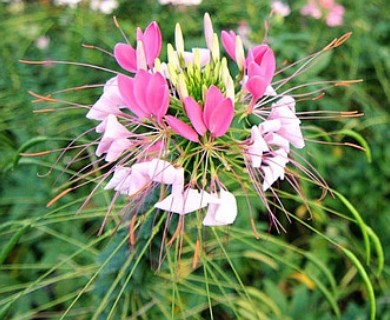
53, 264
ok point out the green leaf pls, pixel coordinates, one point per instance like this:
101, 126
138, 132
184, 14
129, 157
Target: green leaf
360, 222
25, 146
366, 280
12, 243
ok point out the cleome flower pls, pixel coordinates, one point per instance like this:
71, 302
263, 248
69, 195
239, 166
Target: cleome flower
333, 12
197, 133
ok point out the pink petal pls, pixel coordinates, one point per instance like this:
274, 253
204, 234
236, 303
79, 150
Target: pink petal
141, 82
109, 102
212, 99
118, 179
126, 89
182, 128
284, 112
221, 118
114, 129
223, 213
195, 114
157, 96
275, 139
264, 57
311, 10
114, 140
126, 57
229, 43
270, 125
152, 41
256, 86
136, 182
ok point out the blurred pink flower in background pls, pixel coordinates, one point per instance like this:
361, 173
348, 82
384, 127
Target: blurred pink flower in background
42, 42
332, 11
335, 16
280, 8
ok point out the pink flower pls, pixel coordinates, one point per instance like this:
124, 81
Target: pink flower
280, 8
327, 4
333, 12
109, 103
229, 43
216, 116
233, 45
261, 65
114, 141
146, 95
270, 141
182, 128
131, 59
335, 16
311, 9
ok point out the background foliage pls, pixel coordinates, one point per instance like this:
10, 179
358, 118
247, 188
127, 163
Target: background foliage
53, 264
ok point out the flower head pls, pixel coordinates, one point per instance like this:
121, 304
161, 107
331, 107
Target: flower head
197, 133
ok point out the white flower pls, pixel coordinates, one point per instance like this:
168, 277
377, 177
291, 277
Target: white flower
181, 2
70, 3
104, 6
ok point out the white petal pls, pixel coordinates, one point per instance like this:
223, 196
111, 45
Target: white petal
190, 201
116, 148
269, 91
274, 168
120, 174
223, 213
257, 148
109, 102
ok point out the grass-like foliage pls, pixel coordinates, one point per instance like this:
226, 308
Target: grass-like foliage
325, 261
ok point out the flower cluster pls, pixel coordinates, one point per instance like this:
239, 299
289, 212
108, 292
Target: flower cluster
333, 12
192, 127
